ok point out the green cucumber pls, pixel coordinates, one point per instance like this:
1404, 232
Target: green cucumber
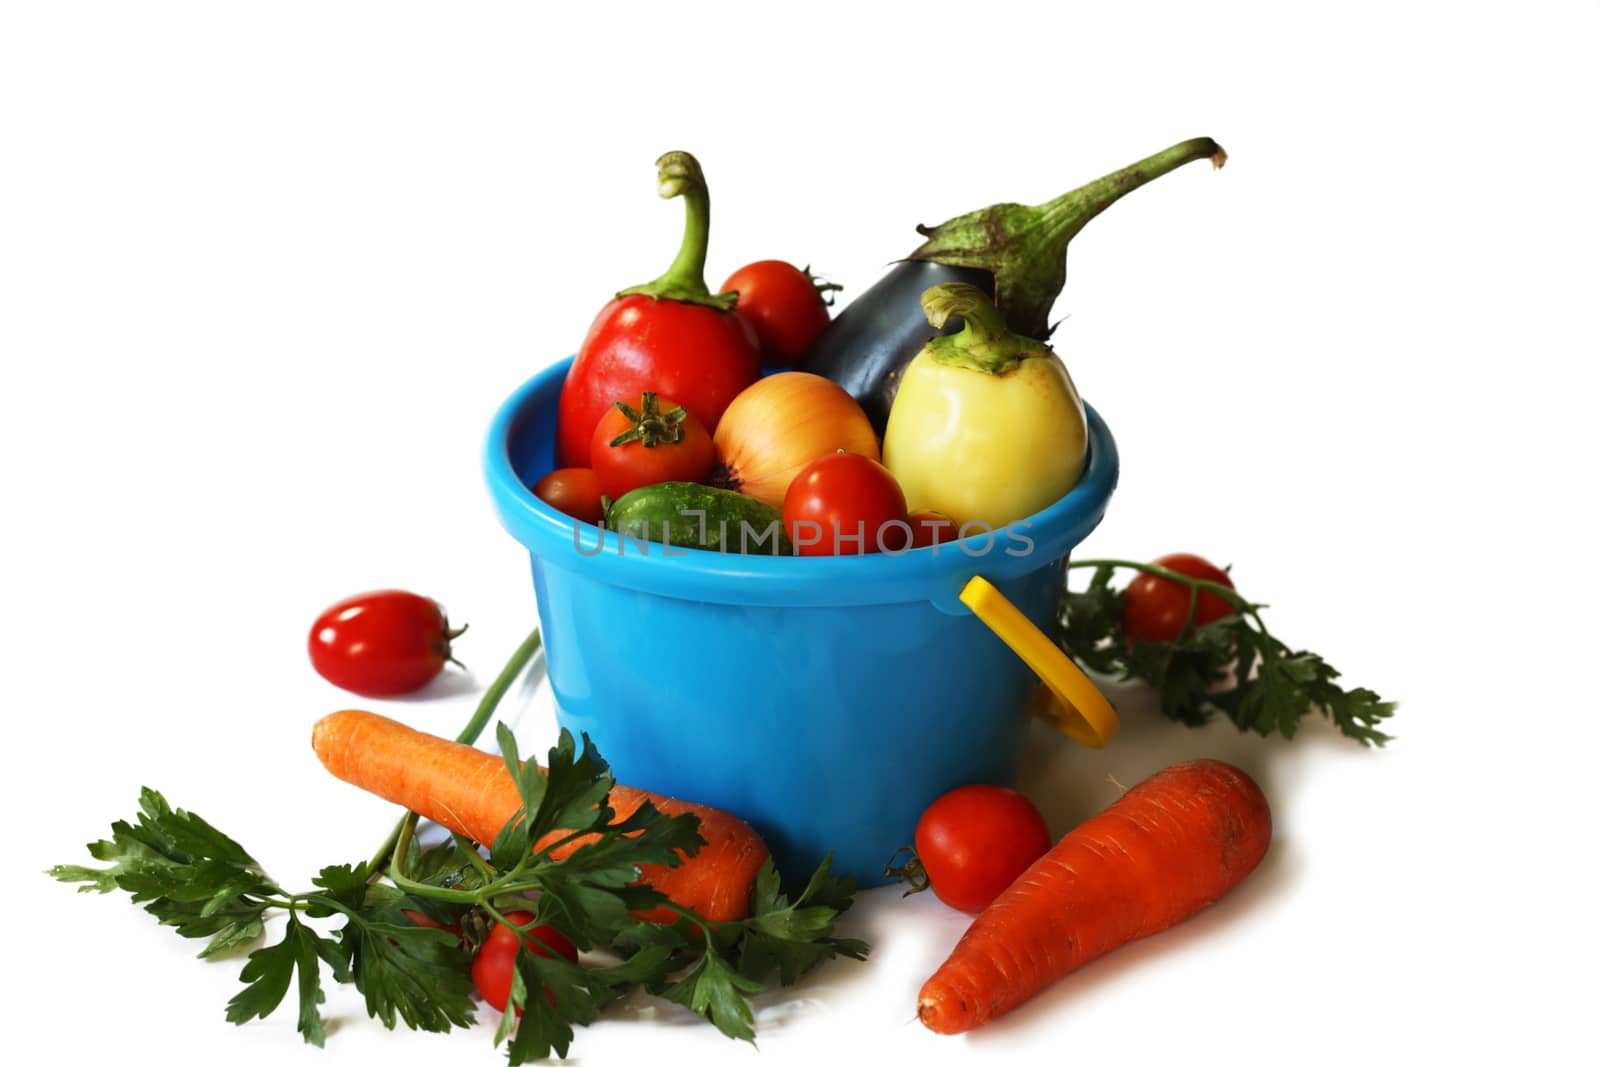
687, 515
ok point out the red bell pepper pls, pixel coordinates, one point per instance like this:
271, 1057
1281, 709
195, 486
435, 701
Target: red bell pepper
673, 336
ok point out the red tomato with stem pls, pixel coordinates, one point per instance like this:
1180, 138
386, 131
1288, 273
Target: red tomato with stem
383, 643
845, 504
1155, 608
672, 336
932, 528
572, 491
497, 959
649, 441
700, 355
785, 304
975, 841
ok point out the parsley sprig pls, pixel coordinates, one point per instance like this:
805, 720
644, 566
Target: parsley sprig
199, 881
196, 879
1234, 665
736, 959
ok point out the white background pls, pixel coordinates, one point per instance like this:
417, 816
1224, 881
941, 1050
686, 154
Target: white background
266, 270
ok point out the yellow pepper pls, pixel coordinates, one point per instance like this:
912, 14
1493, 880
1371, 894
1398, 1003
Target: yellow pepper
987, 427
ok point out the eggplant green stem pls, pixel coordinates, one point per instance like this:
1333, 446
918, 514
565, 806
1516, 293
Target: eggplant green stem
984, 343
679, 174
469, 735
1025, 248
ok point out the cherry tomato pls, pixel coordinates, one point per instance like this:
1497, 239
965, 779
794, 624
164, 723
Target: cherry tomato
572, 491
1155, 608
492, 966
845, 505
975, 841
381, 644
661, 442
701, 356
932, 528
785, 306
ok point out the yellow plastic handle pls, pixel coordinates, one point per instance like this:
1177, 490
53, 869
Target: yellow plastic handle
1082, 712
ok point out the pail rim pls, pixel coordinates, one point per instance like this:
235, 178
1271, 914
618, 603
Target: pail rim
516, 456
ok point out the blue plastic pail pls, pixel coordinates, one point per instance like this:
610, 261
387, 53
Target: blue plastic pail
825, 700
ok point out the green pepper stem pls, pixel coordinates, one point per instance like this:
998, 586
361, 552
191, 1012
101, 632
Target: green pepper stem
679, 174
1025, 248
984, 343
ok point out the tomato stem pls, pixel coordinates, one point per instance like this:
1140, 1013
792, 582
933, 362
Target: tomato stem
649, 426
450, 636
825, 289
911, 872
679, 174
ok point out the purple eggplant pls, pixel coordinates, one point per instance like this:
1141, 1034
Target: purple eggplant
1016, 254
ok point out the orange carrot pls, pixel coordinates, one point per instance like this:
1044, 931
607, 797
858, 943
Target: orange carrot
1171, 845
470, 792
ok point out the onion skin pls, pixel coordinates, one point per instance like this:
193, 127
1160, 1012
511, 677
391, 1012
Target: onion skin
782, 424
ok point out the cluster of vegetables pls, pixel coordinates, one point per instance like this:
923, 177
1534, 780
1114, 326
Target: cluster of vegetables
931, 407
929, 404
560, 890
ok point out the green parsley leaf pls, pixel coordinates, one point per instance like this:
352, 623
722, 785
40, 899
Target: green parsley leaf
511, 844
613, 860
639, 936
589, 914
414, 974
344, 883
1233, 666
444, 864
237, 934
185, 872
308, 953
778, 935
643, 967
793, 938
530, 783
100, 879
267, 975
577, 994
196, 879
577, 785
511, 1018
539, 1031
715, 991
183, 836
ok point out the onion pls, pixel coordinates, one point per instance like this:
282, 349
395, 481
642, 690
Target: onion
781, 425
